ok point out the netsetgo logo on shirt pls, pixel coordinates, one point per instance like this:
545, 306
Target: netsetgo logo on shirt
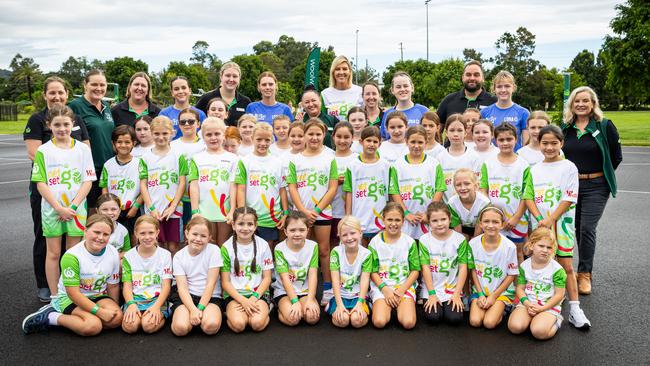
310, 180
145, 279
371, 190
214, 175
263, 180
122, 184
89, 285
506, 191
442, 265
417, 192
348, 281
64, 177
394, 272
162, 179
298, 276
245, 271
488, 272
549, 195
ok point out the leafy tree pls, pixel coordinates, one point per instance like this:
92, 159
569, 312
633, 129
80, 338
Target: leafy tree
444, 79
628, 52
74, 71
286, 94
470, 54
24, 72
419, 70
263, 47
196, 76
292, 52
275, 64
120, 69
365, 74
200, 54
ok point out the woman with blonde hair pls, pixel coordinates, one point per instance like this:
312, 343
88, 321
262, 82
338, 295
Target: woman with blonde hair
341, 95
229, 79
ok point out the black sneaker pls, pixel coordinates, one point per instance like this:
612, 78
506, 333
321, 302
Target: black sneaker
37, 321
44, 295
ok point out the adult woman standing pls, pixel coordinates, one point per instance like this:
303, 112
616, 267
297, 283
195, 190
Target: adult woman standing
181, 93
37, 133
341, 94
138, 102
372, 103
268, 108
592, 144
311, 102
96, 115
229, 76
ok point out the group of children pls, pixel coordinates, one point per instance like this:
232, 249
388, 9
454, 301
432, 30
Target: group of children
400, 221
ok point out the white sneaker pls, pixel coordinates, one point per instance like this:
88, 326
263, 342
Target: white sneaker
327, 296
578, 319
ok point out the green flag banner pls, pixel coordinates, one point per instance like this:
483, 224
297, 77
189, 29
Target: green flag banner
313, 62
567, 87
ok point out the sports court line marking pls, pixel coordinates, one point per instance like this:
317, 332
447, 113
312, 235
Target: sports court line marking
15, 163
636, 152
635, 164
16, 159
634, 192
15, 181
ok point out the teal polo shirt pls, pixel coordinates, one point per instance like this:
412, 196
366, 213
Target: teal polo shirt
100, 127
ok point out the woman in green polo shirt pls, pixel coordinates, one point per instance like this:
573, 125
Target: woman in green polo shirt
312, 103
96, 115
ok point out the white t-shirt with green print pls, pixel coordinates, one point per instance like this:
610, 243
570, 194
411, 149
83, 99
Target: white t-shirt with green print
146, 275
418, 182
162, 173
122, 180
393, 262
247, 280
443, 258
469, 160
214, 174
296, 264
462, 216
311, 175
540, 284
263, 178
120, 238
338, 204
350, 273
493, 267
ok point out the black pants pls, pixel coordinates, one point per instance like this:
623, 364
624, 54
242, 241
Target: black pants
39, 249
592, 198
443, 313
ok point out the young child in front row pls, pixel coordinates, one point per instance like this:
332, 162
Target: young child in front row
395, 148
246, 273
540, 289
367, 185
120, 176
63, 171
147, 280
420, 181
261, 185
350, 265
551, 197
443, 257
196, 269
212, 181
162, 183
503, 180
396, 267
108, 204
85, 309
296, 267
466, 204
493, 263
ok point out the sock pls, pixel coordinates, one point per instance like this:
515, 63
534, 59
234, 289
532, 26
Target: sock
574, 305
53, 318
327, 286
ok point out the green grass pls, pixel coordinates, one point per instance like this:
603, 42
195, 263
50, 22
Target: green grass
634, 127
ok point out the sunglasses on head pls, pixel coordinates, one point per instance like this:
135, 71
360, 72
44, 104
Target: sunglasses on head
187, 121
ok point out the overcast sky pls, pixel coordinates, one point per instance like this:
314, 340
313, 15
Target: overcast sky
162, 31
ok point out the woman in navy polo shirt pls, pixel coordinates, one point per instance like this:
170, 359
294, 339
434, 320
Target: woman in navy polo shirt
138, 102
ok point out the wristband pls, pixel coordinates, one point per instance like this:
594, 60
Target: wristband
381, 285
194, 212
539, 218
361, 300
137, 205
285, 213
200, 307
318, 210
129, 303
256, 295
152, 208
523, 299
481, 294
294, 300
432, 292
94, 310
406, 213
73, 206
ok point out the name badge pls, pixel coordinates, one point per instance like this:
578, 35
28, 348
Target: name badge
595, 133
240, 109
76, 128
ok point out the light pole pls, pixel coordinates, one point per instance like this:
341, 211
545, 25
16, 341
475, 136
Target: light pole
356, 59
426, 3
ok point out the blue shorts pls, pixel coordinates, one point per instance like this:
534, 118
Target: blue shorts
348, 303
268, 233
143, 306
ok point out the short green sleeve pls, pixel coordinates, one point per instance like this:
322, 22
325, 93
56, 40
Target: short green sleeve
226, 259
193, 173
484, 177
292, 177
182, 166
559, 278
527, 180
375, 259
425, 258
334, 170
143, 170
127, 243
529, 187
414, 258
347, 181
366, 266
39, 174
393, 182
521, 280
470, 258
440, 180
70, 270
335, 263
281, 265
455, 218
313, 262
241, 176
126, 270
462, 252
103, 178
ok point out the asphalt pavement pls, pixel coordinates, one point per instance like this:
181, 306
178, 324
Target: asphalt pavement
617, 308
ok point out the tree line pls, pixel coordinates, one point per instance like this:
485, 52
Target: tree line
619, 72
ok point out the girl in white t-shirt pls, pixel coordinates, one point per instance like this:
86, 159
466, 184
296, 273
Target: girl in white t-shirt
466, 204
532, 152
457, 155
350, 265
540, 288
492, 260
431, 123
109, 204
359, 120
470, 116
245, 125
246, 274
147, 280
482, 134
395, 148
296, 268
143, 135
211, 179
343, 135
281, 125
196, 269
